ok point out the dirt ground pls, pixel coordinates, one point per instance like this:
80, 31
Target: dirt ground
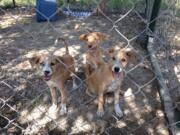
25, 98
168, 30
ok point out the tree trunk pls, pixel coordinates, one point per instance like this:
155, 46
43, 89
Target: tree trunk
101, 7
14, 3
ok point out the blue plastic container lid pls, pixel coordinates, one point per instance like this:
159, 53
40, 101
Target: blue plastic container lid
46, 10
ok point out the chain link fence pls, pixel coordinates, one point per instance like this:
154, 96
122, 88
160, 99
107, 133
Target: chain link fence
25, 98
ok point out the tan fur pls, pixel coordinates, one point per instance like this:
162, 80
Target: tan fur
99, 80
93, 56
124, 55
93, 37
62, 67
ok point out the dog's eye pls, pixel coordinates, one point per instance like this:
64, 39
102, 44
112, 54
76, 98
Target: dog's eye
52, 64
42, 63
123, 60
113, 58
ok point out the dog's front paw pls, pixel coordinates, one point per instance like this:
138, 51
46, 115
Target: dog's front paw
63, 109
52, 112
118, 110
53, 108
100, 112
75, 86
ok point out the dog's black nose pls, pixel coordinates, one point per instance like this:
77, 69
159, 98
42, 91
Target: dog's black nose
116, 69
46, 72
89, 46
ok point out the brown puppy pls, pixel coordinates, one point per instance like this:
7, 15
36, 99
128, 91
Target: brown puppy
108, 77
94, 54
55, 71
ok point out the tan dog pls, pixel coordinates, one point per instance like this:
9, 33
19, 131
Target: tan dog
56, 70
94, 54
108, 77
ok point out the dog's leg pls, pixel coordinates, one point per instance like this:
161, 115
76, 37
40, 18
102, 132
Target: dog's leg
117, 108
100, 111
87, 70
53, 107
53, 95
63, 109
74, 82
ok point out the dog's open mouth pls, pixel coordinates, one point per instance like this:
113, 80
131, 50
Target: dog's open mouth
47, 77
92, 47
117, 74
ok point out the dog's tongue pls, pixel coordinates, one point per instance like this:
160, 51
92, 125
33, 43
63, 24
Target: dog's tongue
47, 78
92, 48
116, 75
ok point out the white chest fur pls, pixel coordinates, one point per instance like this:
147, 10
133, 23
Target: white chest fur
114, 85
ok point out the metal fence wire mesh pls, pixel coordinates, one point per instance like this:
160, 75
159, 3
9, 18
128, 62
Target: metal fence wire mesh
25, 98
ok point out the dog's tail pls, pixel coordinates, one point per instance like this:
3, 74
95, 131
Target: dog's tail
65, 43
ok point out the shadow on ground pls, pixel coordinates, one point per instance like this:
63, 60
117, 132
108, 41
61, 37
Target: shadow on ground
25, 98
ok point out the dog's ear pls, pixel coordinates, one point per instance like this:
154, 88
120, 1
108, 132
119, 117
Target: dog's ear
130, 54
59, 59
83, 37
111, 50
34, 61
102, 36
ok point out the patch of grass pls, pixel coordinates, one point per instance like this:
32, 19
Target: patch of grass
60, 2
170, 5
6, 3
26, 2
111, 4
79, 4
115, 4
178, 4
121, 4
175, 7
9, 3
85, 2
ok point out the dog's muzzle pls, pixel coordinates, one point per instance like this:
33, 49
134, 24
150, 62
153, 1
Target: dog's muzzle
47, 75
89, 46
117, 72
92, 47
116, 69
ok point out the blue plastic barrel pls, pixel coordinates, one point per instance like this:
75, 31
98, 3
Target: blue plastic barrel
46, 10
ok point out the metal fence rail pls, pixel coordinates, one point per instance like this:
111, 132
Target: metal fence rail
25, 98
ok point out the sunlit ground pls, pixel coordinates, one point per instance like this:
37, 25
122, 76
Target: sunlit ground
29, 97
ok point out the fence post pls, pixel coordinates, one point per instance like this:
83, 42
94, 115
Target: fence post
14, 3
163, 90
102, 5
154, 14
148, 9
151, 15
